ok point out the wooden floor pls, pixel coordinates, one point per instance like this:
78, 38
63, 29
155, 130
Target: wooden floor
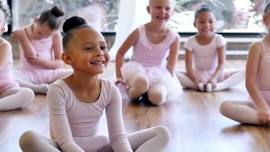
194, 121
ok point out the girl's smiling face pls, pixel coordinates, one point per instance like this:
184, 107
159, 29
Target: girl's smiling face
87, 51
205, 22
160, 10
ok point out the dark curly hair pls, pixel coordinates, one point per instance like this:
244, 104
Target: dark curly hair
70, 24
204, 8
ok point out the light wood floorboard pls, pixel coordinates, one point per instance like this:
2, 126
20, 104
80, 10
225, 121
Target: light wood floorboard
194, 121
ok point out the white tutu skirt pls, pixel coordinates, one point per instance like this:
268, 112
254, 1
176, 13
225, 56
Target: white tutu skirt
156, 74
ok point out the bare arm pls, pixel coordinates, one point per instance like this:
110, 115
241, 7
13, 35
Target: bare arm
173, 55
5, 50
58, 50
251, 75
189, 65
220, 67
130, 41
21, 37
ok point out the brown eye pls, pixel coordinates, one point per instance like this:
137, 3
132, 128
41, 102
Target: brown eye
88, 48
104, 48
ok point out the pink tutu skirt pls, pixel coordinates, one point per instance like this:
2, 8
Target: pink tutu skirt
5, 85
43, 76
7, 82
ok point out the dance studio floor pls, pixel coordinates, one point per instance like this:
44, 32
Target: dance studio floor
194, 121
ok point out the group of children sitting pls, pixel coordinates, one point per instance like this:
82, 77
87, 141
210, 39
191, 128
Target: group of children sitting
77, 98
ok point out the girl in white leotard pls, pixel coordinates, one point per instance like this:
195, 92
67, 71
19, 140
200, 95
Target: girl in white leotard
205, 57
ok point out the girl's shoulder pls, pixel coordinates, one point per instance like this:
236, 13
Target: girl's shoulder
5, 45
219, 40
173, 31
191, 38
22, 29
174, 34
107, 84
255, 52
58, 85
219, 37
256, 44
256, 47
20, 32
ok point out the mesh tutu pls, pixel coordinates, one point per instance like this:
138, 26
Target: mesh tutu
155, 74
5, 85
7, 82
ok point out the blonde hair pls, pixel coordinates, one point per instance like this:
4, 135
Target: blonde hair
172, 2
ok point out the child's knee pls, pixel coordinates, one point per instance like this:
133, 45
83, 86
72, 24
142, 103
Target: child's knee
164, 133
224, 107
157, 98
28, 95
27, 139
141, 83
157, 94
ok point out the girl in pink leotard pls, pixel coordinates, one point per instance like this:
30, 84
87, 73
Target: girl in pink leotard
11, 95
257, 83
205, 57
41, 51
77, 102
151, 70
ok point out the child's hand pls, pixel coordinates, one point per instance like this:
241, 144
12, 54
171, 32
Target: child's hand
119, 80
264, 116
39, 62
33, 61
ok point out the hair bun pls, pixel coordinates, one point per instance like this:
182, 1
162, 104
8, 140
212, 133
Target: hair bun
205, 6
57, 12
73, 22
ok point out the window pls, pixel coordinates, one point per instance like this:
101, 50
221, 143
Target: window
102, 14
234, 16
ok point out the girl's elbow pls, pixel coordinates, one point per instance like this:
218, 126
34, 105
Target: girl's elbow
119, 56
221, 64
249, 84
30, 58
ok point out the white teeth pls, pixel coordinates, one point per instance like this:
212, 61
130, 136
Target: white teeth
97, 62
